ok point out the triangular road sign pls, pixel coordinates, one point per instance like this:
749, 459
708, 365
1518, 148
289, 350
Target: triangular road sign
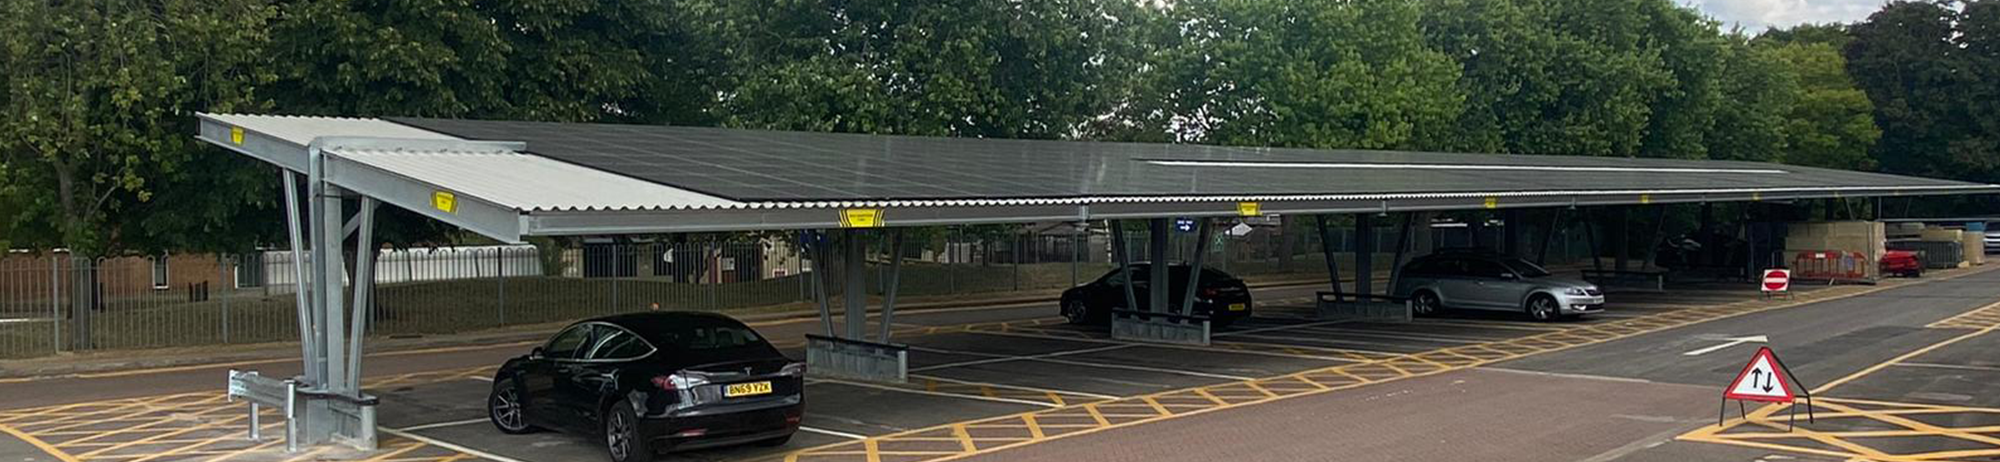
1761, 380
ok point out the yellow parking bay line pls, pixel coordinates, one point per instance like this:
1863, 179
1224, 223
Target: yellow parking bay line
1854, 444
1067, 421
39, 444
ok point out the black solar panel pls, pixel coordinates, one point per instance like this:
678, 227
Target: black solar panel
758, 165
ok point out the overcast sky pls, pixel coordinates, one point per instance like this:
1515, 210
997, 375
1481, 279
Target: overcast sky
1756, 15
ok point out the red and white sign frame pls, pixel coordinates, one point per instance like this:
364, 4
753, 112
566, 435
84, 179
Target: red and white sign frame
1776, 280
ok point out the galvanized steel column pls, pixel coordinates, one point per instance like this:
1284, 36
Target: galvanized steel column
1157, 301
1364, 255
856, 263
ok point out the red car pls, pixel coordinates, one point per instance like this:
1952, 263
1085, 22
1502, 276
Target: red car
1903, 263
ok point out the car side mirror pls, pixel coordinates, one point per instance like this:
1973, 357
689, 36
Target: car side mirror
535, 353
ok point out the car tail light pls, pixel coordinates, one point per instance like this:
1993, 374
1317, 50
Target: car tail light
794, 370
793, 419
1208, 293
682, 380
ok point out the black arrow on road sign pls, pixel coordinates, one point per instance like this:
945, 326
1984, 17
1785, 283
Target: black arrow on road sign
1757, 379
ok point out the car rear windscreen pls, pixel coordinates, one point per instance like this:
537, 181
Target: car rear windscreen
709, 335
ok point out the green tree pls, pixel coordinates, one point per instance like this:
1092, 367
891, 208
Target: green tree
1550, 77
1041, 69
1301, 73
99, 96
1831, 124
1911, 59
555, 60
1762, 91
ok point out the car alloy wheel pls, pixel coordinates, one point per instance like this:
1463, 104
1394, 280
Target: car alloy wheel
1543, 308
505, 407
1076, 312
1426, 304
621, 435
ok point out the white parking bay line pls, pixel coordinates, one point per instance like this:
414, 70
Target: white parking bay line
443, 424
832, 433
933, 393
481, 378
454, 447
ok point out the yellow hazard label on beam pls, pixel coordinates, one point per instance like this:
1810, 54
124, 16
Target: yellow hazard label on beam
861, 218
445, 201
1756, 196
1645, 199
236, 135
1492, 202
1249, 209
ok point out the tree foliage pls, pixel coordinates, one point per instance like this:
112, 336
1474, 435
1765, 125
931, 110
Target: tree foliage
1040, 69
1928, 69
1298, 73
99, 95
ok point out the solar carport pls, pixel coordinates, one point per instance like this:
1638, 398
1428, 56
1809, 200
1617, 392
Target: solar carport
509, 180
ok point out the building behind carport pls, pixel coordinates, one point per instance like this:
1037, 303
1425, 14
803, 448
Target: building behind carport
510, 180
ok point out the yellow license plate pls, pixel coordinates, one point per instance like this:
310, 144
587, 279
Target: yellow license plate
1239, 306
747, 389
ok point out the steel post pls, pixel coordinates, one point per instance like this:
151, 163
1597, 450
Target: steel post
895, 279
301, 287
1510, 231
1124, 257
820, 268
222, 278
1555, 223
1160, 232
1402, 246
329, 260
364, 288
1327, 249
55, 303
854, 258
1364, 255
1194, 268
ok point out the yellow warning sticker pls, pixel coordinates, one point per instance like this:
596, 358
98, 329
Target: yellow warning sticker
236, 135
444, 201
1645, 199
1756, 196
861, 218
1249, 209
1492, 202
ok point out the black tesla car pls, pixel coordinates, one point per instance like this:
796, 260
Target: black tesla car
650, 382
1221, 297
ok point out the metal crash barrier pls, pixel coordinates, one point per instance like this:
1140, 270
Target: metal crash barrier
857, 359
265, 391
1649, 281
1832, 266
1158, 327
1360, 307
295, 402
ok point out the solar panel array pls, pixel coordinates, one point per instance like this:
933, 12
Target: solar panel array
760, 165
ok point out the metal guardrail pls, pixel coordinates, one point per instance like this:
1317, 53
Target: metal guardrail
857, 359
260, 391
1363, 306
1651, 281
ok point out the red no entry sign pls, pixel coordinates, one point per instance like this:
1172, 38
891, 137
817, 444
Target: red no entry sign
1777, 280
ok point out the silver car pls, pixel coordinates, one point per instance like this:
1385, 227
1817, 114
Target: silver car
1490, 281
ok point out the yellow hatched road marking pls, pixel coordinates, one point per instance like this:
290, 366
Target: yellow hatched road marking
1363, 374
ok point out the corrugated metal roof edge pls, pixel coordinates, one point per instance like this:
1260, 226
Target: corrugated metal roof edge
1092, 200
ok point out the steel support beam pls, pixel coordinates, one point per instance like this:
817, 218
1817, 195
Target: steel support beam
1402, 248
895, 278
301, 286
1326, 249
855, 260
364, 288
1364, 255
1122, 253
1555, 226
821, 270
1157, 285
1194, 272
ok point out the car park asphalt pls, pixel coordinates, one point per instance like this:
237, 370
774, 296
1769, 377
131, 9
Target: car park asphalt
1014, 383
